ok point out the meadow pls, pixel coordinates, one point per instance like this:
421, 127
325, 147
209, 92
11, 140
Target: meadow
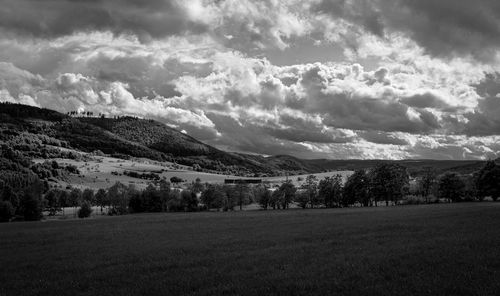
445, 249
103, 171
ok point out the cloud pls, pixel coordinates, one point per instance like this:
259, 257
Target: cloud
156, 18
425, 100
442, 28
404, 79
70, 92
383, 138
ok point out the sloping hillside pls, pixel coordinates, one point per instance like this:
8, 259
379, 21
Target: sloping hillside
152, 134
33, 131
122, 137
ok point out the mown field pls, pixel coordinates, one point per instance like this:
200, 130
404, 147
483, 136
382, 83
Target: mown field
449, 249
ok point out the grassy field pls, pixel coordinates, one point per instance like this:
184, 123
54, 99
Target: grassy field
449, 249
104, 171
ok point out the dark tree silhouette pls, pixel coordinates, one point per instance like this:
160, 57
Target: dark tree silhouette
427, 182
6, 211
311, 190
85, 210
451, 187
356, 188
330, 191
488, 181
388, 182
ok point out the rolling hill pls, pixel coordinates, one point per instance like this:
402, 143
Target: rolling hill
34, 131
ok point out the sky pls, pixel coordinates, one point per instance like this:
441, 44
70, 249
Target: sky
339, 79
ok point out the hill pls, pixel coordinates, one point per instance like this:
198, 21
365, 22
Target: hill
37, 132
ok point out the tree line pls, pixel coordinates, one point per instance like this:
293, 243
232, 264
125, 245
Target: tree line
387, 184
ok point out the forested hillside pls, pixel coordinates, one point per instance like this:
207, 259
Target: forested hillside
34, 132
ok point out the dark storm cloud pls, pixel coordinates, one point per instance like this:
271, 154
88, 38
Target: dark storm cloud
375, 114
485, 119
359, 111
363, 12
301, 130
489, 86
247, 137
382, 138
298, 135
426, 100
442, 27
152, 18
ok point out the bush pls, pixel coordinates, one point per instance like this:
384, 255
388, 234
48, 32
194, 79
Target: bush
6, 211
413, 200
72, 169
176, 179
85, 210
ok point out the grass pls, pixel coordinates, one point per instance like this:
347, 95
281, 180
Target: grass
413, 250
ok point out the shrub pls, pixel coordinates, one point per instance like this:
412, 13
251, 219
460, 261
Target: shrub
85, 210
72, 169
413, 200
176, 179
6, 211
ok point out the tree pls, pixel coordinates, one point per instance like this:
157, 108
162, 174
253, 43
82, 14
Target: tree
136, 203
101, 198
6, 211
153, 200
174, 202
274, 202
189, 200
75, 198
118, 198
356, 188
63, 199
31, 202
330, 191
164, 192
176, 180
53, 201
85, 209
388, 182
197, 186
488, 181
229, 198
88, 195
311, 190
32, 206
8, 194
242, 192
451, 187
286, 194
263, 196
426, 182
302, 198
213, 196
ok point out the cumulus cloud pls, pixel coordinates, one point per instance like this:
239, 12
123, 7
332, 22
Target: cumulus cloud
396, 80
441, 27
